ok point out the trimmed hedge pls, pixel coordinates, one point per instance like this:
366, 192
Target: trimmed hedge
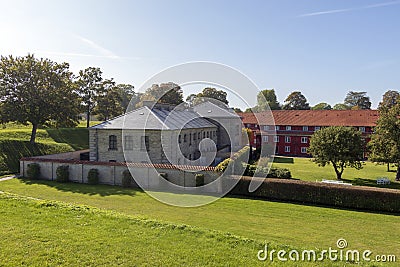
62, 174
126, 179
257, 171
33, 171
353, 197
238, 159
199, 179
93, 176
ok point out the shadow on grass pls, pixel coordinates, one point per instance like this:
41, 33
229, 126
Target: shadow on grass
371, 183
101, 190
77, 138
283, 160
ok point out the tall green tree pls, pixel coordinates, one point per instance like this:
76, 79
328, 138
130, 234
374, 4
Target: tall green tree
389, 99
337, 145
127, 96
208, 93
322, 106
266, 98
89, 88
296, 101
357, 100
341, 106
165, 93
37, 91
385, 141
109, 102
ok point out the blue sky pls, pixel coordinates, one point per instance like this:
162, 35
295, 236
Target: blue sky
321, 48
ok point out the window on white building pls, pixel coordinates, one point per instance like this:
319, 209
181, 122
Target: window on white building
276, 138
304, 140
266, 127
303, 150
265, 138
288, 128
276, 127
128, 142
287, 148
144, 144
112, 142
287, 139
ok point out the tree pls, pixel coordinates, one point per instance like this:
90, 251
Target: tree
127, 95
357, 100
337, 145
89, 88
296, 101
109, 102
322, 106
341, 106
389, 99
165, 93
265, 97
37, 91
385, 142
237, 110
209, 93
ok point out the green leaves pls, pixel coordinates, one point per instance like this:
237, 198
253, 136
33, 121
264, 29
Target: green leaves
340, 146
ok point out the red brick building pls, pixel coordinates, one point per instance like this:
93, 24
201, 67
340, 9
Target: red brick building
293, 128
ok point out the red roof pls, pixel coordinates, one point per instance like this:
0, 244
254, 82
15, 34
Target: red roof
366, 118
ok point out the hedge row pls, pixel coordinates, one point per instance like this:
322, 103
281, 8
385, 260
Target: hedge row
353, 197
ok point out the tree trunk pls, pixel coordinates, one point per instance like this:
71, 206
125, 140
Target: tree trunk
388, 167
398, 172
337, 171
33, 134
88, 118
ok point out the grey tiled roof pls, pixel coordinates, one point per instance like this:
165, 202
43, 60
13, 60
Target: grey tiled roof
211, 110
156, 119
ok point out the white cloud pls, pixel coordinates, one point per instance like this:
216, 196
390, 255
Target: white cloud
103, 52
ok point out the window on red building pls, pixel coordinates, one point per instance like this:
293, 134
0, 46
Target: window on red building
304, 140
287, 148
287, 139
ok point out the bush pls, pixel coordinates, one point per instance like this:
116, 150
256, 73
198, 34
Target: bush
237, 159
126, 179
353, 197
93, 176
33, 171
199, 178
259, 171
62, 173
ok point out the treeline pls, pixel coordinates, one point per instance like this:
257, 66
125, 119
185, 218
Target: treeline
297, 101
46, 93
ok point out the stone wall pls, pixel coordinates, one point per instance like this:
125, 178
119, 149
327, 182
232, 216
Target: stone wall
111, 172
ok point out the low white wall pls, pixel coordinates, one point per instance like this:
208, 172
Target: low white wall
111, 173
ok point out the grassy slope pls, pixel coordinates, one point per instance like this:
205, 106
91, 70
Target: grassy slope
305, 169
37, 233
14, 144
280, 223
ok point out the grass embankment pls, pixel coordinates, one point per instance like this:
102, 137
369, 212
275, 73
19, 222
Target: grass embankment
306, 227
14, 144
306, 170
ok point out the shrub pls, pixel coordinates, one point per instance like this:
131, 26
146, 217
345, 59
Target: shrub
199, 178
33, 171
279, 173
259, 171
93, 176
237, 159
62, 173
164, 175
126, 179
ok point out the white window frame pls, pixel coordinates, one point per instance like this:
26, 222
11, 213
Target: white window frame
287, 149
276, 138
265, 138
362, 129
288, 128
317, 128
305, 128
304, 139
304, 150
276, 127
266, 127
288, 139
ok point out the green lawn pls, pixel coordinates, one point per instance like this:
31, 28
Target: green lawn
306, 170
280, 223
